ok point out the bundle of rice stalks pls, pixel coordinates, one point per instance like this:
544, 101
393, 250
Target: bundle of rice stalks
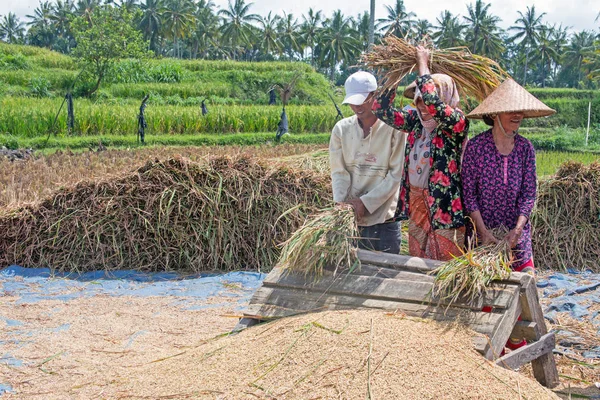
466, 276
326, 240
566, 221
475, 75
221, 213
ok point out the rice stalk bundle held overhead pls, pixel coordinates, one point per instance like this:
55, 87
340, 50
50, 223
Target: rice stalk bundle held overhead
475, 75
467, 275
223, 213
566, 221
327, 239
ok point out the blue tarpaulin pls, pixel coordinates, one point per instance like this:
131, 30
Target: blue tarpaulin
573, 293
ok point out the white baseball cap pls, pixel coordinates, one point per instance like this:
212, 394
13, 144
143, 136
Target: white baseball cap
358, 86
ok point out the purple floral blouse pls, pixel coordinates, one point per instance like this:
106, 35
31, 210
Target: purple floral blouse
445, 204
501, 187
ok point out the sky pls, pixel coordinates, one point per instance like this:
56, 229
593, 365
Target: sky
576, 14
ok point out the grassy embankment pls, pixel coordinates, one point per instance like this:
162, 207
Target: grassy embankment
33, 82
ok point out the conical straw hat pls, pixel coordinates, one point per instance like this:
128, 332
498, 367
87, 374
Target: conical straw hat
511, 97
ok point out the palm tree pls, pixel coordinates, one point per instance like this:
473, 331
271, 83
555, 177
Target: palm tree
360, 28
546, 51
481, 23
129, 5
310, 29
580, 47
62, 12
207, 28
178, 16
12, 29
449, 31
151, 21
559, 42
236, 26
288, 29
528, 28
86, 7
337, 43
421, 29
269, 42
398, 22
41, 32
490, 42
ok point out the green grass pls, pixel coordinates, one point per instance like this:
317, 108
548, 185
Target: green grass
31, 117
547, 162
91, 142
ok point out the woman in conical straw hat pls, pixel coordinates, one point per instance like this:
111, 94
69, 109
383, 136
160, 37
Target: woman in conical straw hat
430, 195
498, 172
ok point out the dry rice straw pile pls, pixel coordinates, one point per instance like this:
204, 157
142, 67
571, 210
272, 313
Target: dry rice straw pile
475, 75
171, 215
566, 222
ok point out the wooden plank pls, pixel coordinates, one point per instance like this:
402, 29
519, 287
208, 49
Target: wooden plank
482, 345
378, 271
544, 367
525, 329
282, 302
525, 354
545, 371
531, 310
397, 261
415, 264
505, 327
499, 296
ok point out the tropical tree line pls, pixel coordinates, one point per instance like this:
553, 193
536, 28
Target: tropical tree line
531, 50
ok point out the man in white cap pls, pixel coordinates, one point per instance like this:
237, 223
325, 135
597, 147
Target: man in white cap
367, 164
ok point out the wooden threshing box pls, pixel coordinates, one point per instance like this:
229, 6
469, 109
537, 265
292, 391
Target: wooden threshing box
403, 283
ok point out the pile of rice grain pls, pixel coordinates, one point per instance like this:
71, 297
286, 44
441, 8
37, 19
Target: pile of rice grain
335, 355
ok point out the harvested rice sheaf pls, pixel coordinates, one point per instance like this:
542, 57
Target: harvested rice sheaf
475, 75
566, 221
327, 239
223, 213
467, 275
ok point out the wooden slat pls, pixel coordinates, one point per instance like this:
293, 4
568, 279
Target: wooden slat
505, 327
531, 306
525, 329
397, 261
544, 367
523, 355
416, 264
280, 302
499, 296
378, 271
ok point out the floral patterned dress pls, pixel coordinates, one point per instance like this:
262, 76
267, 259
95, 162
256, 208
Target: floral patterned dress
501, 187
445, 185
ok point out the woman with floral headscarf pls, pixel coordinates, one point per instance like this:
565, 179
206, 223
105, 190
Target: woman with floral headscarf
430, 195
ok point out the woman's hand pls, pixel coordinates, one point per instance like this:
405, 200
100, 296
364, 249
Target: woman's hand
486, 238
423, 55
513, 236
